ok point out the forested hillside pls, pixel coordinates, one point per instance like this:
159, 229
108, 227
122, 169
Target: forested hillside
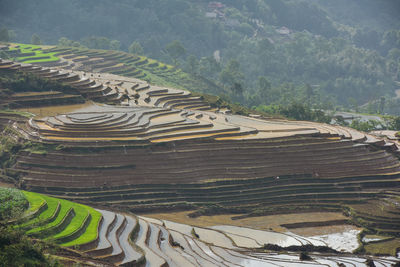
324, 54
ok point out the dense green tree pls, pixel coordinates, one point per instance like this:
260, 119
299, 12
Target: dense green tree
367, 38
12, 36
231, 73
97, 42
63, 41
175, 50
17, 250
4, 35
192, 64
391, 39
394, 123
13, 202
136, 48
264, 89
366, 126
115, 45
341, 48
237, 91
36, 39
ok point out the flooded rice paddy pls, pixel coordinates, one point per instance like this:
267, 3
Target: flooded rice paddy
254, 232
56, 110
342, 241
268, 222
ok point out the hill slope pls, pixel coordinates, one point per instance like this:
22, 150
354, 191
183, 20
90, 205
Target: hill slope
158, 148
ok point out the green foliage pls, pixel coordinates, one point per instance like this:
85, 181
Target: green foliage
331, 52
392, 122
209, 67
391, 39
115, 45
297, 111
136, 48
17, 250
4, 36
192, 64
175, 50
9, 146
36, 39
231, 74
100, 42
63, 41
366, 126
12, 203
264, 87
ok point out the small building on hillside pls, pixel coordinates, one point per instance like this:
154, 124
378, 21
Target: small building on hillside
215, 5
211, 15
284, 31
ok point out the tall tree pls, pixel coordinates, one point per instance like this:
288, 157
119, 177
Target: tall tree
36, 39
231, 73
192, 64
115, 45
264, 89
136, 48
175, 50
4, 36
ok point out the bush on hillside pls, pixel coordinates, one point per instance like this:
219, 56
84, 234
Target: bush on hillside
17, 250
13, 203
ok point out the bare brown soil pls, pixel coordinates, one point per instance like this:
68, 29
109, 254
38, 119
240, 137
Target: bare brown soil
261, 222
2, 184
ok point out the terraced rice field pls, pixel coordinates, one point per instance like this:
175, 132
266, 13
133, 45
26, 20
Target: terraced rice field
61, 221
127, 240
31, 54
143, 148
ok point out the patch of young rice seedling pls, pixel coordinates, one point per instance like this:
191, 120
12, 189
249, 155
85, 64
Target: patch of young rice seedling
65, 207
81, 212
35, 201
91, 232
52, 207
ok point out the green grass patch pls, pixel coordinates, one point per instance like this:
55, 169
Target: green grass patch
383, 248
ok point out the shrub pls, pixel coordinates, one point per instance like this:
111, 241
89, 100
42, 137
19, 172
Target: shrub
17, 250
13, 203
